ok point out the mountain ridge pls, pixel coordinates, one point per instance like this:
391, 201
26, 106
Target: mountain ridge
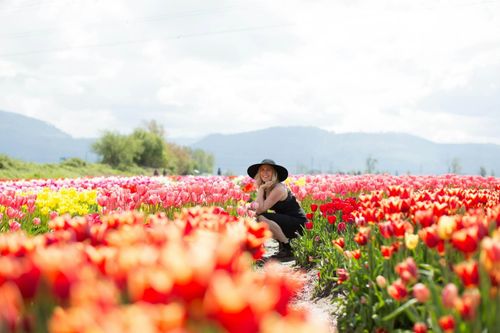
310, 149
35, 140
302, 149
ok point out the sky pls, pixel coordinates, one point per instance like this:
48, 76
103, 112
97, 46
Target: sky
430, 68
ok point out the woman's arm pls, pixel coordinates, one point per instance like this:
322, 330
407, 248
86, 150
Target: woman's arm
278, 193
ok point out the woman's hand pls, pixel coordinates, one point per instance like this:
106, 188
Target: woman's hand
266, 185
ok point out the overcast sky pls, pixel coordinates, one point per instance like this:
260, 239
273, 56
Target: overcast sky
428, 67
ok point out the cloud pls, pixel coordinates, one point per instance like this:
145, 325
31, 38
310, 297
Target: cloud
425, 68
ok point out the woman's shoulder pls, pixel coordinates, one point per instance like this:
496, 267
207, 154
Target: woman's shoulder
280, 187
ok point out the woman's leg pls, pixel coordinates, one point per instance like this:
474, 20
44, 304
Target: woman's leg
275, 229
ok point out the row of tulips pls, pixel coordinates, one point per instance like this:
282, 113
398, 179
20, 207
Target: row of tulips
411, 259
30, 204
131, 272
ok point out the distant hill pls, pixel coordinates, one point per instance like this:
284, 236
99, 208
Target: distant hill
34, 140
306, 149
300, 149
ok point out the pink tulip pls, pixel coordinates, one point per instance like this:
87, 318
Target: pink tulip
14, 225
421, 292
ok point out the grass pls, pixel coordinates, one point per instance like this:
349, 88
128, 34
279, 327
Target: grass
71, 168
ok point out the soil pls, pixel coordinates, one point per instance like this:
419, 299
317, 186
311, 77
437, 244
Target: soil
321, 310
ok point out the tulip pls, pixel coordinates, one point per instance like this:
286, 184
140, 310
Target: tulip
449, 295
407, 270
468, 303
386, 251
447, 323
342, 275
421, 292
381, 282
446, 226
397, 290
468, 273
411, 240
466, 240
339, 243
420, 328
14, 225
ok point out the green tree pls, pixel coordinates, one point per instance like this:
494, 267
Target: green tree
184, 163
117, 150
152, 152
203, 161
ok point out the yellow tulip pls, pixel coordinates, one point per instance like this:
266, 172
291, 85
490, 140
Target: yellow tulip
411, 240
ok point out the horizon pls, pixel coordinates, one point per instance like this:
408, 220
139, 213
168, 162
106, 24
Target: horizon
192, 140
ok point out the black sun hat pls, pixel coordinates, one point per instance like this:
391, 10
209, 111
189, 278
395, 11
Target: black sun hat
280, 170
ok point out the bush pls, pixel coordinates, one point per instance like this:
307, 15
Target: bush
74, 162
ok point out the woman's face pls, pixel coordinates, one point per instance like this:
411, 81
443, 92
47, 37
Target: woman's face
266, 172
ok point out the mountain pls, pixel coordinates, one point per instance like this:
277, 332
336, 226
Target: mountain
300, 149
34, 140
310, 149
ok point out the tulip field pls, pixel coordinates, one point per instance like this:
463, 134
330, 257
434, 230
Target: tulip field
180, 254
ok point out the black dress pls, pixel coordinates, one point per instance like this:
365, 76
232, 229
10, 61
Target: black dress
288, 215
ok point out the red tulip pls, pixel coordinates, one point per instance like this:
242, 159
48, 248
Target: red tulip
339, 242
362, 236
397, 290
420, 328
331, 219
407, 270
447, 323
466, 240
386, 229
308, 225
468, 303
424, 217
386, 251
342, 275
468, 273
429, 236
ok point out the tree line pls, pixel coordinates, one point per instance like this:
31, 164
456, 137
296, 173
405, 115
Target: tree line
146, 147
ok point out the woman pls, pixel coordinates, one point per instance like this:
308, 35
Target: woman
287, 220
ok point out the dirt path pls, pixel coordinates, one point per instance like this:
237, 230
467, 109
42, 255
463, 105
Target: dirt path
321, 310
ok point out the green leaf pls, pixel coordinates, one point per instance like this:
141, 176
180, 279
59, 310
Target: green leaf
401, 309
